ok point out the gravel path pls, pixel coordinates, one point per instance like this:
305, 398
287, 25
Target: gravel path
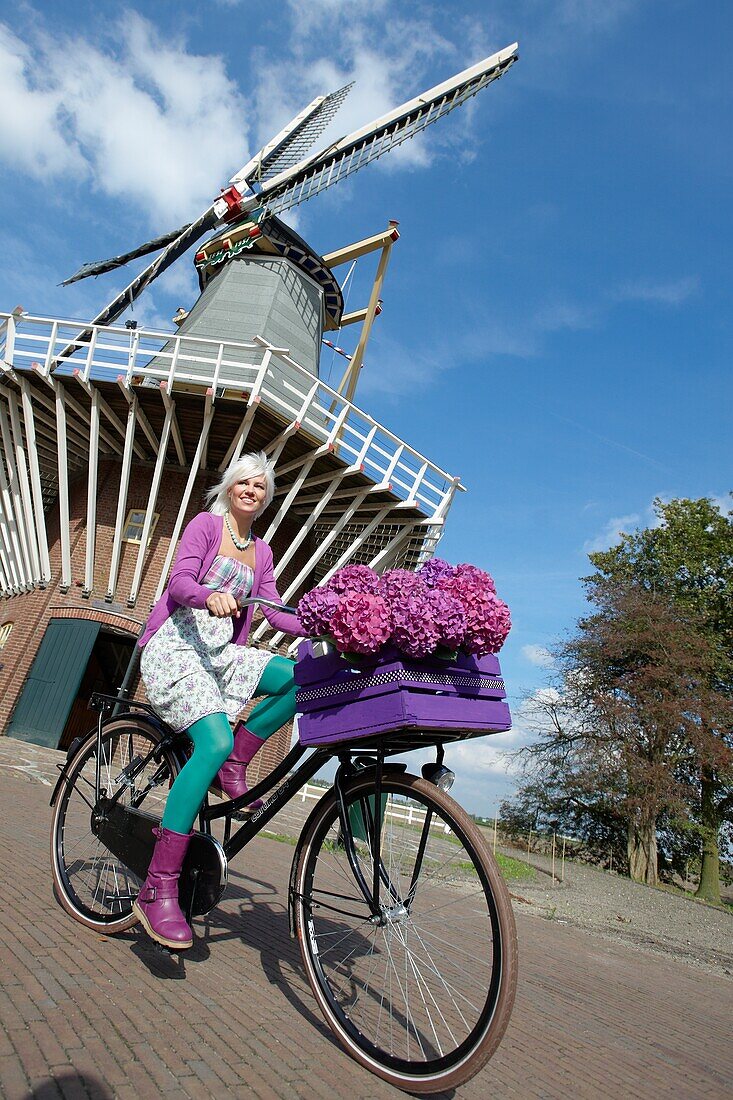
598, 901
628, 912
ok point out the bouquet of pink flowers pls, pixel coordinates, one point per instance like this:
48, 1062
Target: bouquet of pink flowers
441, 606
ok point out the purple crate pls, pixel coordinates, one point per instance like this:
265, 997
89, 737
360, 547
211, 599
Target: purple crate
394, 694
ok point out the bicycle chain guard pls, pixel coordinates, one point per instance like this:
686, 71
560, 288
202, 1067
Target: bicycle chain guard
128, 834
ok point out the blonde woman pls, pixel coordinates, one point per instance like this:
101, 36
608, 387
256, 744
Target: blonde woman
199, 672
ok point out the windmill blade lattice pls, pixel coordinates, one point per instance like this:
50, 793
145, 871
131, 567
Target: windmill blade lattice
293, 142
180, 244
302, 181
363, 146
284, 151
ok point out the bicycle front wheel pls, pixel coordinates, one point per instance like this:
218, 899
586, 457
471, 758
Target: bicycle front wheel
91, 883
422, 994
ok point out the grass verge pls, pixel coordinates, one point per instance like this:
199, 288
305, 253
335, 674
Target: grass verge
513, 870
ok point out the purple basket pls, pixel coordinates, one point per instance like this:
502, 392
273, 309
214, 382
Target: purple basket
414, 700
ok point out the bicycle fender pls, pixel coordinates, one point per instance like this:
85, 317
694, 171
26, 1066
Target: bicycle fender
63, 774
296, 860
293, 874
77, 743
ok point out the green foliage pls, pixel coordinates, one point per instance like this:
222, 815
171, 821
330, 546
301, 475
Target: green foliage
635, 745
688, 557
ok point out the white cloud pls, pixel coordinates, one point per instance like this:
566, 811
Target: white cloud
590, 17
482, 756
392, 369
538, 655
671, 292
147, 122
611, 533
723, 502
614, 528
311, 16
562, 316
32, 136
384, 76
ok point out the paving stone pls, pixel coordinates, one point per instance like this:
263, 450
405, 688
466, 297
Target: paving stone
117, 1018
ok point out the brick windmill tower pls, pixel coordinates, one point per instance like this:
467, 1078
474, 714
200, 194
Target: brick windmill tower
110, 435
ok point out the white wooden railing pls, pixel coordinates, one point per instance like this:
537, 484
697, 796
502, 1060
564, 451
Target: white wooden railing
64, 355
397, 811
48, 344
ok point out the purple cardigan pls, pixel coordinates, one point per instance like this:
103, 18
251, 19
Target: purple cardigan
197, 549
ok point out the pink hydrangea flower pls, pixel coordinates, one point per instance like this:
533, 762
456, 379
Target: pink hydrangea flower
361, 623
413, 629
396, 583
435, 570
448, 616
315, 610
353, 578
487, 624
456, 607
474, 578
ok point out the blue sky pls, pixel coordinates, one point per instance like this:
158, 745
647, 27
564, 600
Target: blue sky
557, 321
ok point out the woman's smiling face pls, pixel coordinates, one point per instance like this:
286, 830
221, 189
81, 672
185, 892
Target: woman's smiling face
247, 496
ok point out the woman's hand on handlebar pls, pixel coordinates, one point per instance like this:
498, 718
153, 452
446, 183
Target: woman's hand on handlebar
222, 604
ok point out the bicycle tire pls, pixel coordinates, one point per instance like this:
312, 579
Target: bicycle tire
91, 883
362, 974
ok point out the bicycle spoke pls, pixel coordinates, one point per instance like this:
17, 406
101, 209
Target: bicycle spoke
415, 986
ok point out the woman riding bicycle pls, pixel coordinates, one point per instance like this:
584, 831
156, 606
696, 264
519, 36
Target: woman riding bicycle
199, 673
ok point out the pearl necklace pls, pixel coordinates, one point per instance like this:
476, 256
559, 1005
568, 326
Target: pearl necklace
237, 542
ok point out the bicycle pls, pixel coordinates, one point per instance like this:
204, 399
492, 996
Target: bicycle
404, 923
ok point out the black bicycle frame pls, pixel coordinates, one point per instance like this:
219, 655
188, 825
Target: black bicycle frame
257, 821
351, 761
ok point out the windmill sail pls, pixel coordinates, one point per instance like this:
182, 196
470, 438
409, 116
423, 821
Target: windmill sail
299, 182
102, 266
186, 237
284, 151
312, 176
292, 143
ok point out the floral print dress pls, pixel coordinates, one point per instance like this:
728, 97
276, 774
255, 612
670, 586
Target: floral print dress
191, 667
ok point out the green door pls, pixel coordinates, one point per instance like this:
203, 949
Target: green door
53, 681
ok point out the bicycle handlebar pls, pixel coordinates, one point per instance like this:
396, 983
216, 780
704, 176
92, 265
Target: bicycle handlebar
268, 603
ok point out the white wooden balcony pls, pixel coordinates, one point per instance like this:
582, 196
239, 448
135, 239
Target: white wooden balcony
140, 396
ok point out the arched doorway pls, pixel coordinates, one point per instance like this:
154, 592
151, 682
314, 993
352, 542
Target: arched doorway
76, 657
105, 672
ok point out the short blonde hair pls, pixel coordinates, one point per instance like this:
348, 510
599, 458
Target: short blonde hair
250, 465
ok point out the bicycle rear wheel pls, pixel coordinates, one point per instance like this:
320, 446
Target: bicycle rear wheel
421, 998
91, 883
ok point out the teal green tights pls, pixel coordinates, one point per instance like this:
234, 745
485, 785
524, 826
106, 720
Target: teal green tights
213, 742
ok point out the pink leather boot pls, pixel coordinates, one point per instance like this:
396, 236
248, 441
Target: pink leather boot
231, 779
157, 903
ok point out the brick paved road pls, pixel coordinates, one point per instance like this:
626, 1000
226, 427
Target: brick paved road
83, 1016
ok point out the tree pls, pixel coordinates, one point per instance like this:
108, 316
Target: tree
638, 733
570, 784
616, 739
688, 559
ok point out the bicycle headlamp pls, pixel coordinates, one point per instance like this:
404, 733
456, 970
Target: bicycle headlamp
439, 775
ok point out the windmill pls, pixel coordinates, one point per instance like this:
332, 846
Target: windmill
278, 178
109, 435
